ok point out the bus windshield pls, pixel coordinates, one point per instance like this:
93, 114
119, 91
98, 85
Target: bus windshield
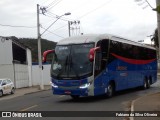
71, 61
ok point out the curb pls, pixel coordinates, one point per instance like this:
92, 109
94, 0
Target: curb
133, 102
18, 94
37, 91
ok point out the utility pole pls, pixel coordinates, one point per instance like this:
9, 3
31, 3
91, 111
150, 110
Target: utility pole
39, 50
43, 9
158, 24
74, 26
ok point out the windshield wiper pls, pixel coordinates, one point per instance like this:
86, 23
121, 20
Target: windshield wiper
66, 63
71, 66
61, 71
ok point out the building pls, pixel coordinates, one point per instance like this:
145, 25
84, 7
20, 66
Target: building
15, 62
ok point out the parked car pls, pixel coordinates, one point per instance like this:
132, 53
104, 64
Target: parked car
6, 86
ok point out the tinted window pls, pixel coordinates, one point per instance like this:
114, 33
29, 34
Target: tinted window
131, 51
72, 62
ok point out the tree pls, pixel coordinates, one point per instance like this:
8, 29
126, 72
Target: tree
155, 38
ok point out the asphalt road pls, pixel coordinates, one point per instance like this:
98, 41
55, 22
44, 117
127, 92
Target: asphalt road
46, 101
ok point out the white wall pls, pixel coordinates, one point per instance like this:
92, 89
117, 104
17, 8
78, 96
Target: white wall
29, 60
6, 71
21, 75
46, 75
5, 51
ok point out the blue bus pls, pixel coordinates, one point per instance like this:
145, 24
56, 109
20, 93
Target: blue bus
91, 65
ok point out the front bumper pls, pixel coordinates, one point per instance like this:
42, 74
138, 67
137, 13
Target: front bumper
79, 92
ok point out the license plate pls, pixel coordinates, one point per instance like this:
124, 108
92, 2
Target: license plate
67, 92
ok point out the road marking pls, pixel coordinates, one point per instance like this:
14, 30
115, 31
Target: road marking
29, 108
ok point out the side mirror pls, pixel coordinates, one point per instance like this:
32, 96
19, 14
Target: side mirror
45, 53
92, 53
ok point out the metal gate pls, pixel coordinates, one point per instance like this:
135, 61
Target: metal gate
21, 75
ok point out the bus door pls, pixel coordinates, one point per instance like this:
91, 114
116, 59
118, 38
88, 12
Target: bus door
98, 75
101, 67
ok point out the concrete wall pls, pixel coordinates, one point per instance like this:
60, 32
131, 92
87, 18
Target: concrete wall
6, 66
21, 75
29, 61
46, 75
23, 72
6, 71
5, 51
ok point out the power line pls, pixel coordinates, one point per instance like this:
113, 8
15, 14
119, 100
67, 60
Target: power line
87, 13
51, 32
50, 14
53, 23
53, 5
61, 27
149, 4
44, 2
82, 4
17, 26
95, 9
142, 2
45, 9
53, 2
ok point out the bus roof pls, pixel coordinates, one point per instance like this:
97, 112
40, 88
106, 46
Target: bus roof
90, 38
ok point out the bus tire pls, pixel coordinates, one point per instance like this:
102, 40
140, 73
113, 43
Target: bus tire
110, 90
145, 83
75, 97
148, 83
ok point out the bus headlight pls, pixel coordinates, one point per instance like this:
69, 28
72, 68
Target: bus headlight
84, 86
54, 85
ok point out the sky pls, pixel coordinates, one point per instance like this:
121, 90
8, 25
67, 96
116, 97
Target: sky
125, 18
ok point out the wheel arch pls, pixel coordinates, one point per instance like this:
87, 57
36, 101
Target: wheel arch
150, 79
113, 83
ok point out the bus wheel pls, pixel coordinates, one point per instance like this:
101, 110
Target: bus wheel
148, 83
75, 96
110, 90
145, 83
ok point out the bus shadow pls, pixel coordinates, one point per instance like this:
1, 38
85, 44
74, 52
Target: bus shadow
85, 99
103, 97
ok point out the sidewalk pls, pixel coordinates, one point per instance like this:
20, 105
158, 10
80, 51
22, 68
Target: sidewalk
23, 91
149, 103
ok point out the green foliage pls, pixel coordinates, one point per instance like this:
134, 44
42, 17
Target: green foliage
158, 9
32, 44
155, 38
